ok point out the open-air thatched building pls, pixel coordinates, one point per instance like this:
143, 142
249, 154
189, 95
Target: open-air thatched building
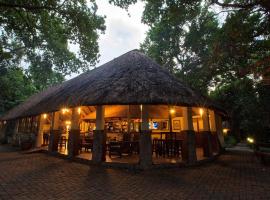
129, 106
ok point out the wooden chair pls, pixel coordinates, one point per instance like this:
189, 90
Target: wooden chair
115, 148
88, 144
157, 147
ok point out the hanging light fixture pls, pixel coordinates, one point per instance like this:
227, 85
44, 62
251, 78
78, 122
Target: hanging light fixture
67, 122
172, 110
44, 116
65, 110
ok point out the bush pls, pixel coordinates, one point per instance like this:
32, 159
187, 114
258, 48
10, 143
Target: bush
230, 140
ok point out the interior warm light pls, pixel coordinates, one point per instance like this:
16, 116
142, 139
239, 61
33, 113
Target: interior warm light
44, 116
79, 110
201, 111
225, 131
250, 140
141, 107
172, 111
64, 110
68, 122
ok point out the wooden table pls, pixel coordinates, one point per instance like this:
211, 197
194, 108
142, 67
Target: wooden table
122, 147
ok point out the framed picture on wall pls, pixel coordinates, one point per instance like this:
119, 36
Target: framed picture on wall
176, 125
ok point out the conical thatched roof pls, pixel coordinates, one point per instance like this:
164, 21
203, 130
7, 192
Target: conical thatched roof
132, 78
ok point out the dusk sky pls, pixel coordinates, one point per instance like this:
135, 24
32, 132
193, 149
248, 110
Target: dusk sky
123, 32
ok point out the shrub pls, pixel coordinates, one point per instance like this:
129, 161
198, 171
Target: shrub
230, 140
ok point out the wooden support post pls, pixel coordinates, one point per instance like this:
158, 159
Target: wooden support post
170, 120
213, 129
205, 118
15, 132
213, 126
74, 133
145, 141
99, 144
54, 133
39, 137
189, 143
3, 130
207, 137
128, 120
220, 136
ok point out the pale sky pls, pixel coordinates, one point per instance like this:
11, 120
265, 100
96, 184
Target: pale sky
123, 32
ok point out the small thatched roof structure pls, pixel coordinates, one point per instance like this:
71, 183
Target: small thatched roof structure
132, 78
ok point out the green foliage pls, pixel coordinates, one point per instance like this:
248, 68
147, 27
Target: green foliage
15, 87
219, 46
36, 31
42, 74
230, 140
240, 100
43, 41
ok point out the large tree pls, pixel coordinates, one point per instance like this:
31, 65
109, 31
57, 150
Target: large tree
33, 31
230, 39
43, 41
15, 87
215, 45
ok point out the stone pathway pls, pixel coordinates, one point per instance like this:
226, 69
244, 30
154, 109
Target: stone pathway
241, 147
235, 175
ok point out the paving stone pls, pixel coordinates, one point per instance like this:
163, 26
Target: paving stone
235, 175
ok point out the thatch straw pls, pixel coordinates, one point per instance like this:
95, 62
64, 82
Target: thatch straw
132, 78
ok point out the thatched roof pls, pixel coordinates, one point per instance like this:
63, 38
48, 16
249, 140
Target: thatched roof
132, 78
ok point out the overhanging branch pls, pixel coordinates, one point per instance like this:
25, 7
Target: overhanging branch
24, 6
235, 5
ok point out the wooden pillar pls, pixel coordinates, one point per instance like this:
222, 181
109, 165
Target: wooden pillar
205, 118
187, 117
213, 126
99, 144
54, 133
74, 133
207, 137
170, 120
213, 129
145, 141
6, 131
188, 133
39, 137
15, 133
3, 130
55, 120
218, 120
128, 119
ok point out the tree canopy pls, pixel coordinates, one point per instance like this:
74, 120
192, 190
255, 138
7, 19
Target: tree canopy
36, 31
218, 46
43, 41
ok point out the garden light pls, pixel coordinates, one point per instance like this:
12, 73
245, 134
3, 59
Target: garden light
250, 140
